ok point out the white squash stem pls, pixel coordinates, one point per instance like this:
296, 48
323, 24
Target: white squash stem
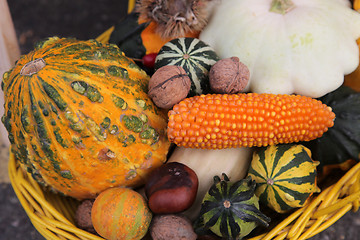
282, 6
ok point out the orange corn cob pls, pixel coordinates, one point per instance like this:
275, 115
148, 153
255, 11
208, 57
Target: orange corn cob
217, 121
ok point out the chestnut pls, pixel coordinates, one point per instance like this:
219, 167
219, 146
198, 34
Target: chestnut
171, 188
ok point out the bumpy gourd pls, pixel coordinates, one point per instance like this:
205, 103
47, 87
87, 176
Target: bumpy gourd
79, 119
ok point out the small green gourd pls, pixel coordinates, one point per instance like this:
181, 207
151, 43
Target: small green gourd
230, 209
195, 56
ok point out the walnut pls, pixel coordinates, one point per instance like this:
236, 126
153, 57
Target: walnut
229, 75
83, 216
168, 86
171, 226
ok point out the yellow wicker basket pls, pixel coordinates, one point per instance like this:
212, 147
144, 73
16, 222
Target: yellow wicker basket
53, 215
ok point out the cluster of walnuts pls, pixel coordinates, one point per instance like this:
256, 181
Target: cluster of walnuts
171, 84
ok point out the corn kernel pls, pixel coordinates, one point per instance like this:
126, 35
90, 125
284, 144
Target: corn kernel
247, 120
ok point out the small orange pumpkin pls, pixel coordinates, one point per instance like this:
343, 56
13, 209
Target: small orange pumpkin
353, 79
356, 4
153, 41
138, 37
120, 213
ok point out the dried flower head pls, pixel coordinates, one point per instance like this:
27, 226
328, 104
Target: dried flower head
175, 18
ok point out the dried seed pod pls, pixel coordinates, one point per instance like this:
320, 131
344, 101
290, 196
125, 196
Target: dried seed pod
229, 75
168, 86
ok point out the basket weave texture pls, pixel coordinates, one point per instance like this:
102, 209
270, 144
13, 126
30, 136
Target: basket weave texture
53, 214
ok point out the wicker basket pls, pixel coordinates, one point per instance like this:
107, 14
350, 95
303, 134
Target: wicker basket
53, 215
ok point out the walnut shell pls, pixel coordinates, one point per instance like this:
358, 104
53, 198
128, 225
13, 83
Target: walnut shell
229, 75
174, 227
168, 86
83, 216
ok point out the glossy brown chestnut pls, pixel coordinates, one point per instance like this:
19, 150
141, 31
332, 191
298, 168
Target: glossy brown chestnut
171, 188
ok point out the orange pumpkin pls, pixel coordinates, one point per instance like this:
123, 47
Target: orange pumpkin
353, 79
138, 37
356, 4
153, 41
120, 213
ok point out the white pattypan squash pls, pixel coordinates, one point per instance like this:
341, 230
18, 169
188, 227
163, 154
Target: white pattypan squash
305, 49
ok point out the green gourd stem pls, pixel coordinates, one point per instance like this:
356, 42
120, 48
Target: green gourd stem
33, 67
281, 6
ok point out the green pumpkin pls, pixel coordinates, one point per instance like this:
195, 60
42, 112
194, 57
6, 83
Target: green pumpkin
285, 176
230, 209
192, 54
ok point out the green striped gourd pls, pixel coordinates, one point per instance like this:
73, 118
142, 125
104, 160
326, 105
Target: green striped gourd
195, 56
285, 176
230, 209
79, 118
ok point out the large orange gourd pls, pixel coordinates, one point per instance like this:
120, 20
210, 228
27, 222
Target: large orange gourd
79, 118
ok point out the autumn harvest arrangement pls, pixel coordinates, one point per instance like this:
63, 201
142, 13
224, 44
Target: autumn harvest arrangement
191, 119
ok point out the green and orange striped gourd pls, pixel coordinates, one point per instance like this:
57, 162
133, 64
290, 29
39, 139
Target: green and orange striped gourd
79, 118
121, 213
216, 121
